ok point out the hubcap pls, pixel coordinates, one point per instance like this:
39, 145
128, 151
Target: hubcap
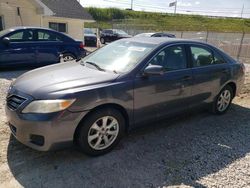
224, 100
103, 132
68, 58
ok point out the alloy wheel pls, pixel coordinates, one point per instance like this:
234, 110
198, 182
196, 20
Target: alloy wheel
103, 132
68, 58
224, 100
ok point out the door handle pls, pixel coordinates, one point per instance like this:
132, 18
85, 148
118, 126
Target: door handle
186, 78
225, 71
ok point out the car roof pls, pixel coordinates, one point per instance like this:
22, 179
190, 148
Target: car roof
162, 40
45, 29
24, 27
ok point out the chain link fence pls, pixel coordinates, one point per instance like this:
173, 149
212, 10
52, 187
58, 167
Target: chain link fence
235, 44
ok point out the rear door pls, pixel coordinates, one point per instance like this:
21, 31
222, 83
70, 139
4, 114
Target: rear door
210, 72
161, 95
49, 45
20, 51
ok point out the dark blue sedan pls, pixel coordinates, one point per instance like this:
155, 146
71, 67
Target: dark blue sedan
29, 46
125, 84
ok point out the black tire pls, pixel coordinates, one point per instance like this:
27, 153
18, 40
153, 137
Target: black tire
215, 105
85, 128
68, 56
102, 40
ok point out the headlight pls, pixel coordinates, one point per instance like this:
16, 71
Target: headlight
47, 106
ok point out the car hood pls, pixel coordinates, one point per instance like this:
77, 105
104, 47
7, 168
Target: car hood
45, 82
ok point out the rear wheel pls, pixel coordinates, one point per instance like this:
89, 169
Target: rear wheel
68, 57
101, 131
223, 100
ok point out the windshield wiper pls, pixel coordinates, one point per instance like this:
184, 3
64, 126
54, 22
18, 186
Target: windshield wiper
95, 65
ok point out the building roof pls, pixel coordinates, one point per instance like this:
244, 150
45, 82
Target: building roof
67, 9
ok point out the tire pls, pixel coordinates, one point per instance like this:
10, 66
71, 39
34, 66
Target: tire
94, 138
68, 57
223, 101
102, 40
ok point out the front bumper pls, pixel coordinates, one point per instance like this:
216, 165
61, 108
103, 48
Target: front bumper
44, 132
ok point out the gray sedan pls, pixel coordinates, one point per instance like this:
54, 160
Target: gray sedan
117, 88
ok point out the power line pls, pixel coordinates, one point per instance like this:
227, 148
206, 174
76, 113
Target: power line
126, 2
181, 9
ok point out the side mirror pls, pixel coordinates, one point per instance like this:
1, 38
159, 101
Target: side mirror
153, 70
6, 41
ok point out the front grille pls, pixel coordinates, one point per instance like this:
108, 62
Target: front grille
14, 102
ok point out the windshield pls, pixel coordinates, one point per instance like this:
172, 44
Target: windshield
144, 35
88, 31
119, 56
121, 32
4, 32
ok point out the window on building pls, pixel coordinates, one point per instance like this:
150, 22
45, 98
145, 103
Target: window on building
61, 27
1, 23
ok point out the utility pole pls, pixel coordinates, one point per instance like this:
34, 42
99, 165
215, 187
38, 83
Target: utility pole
175, 7
131, 5
242, 11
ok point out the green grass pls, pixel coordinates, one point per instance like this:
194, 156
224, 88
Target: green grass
108, 17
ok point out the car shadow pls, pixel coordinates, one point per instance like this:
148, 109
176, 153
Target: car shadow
169, 152
12, 74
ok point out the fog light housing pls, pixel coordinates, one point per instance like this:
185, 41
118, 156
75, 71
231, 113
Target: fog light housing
37, 139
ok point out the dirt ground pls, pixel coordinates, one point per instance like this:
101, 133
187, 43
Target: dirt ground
197, 150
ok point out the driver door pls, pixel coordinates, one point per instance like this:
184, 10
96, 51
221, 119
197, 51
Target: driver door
156, 96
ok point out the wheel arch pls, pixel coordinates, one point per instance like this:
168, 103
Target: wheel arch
69, 53
233, 86
118, 107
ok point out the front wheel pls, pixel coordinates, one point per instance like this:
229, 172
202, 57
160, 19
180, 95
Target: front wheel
223, 100
102, 40
101, 131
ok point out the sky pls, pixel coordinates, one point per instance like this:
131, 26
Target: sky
228, 8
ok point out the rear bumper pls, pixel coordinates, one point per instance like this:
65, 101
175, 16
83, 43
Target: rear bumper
90, 42
44, 132
240, 85
82, 54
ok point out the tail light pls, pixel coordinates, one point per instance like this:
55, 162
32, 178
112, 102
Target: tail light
81, 45
243, 67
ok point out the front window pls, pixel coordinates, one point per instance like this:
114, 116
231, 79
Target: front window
21, 36
1, 23
171, 58
60, 27
120, 56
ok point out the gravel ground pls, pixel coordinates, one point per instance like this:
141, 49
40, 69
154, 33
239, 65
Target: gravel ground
197, 150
